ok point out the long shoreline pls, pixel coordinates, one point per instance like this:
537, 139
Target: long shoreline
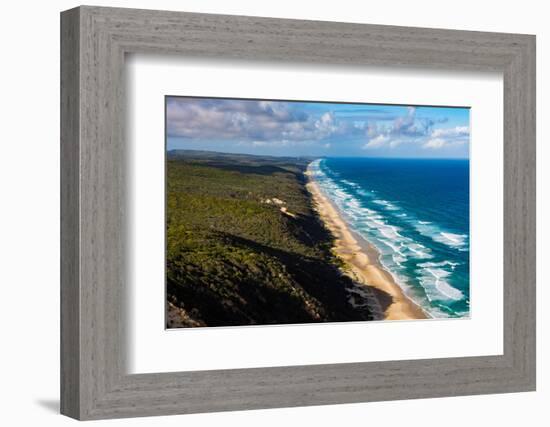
362, 260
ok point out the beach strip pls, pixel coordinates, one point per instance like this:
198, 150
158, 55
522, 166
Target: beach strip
362, 261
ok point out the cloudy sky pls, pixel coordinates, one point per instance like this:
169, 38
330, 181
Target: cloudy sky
285, 128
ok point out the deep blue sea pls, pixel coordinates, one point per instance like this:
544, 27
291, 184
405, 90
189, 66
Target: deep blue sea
416, 213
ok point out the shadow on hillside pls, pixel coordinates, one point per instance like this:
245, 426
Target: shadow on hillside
318, 278
384, 299
247, 294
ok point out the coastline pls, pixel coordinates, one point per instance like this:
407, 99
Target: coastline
362, 261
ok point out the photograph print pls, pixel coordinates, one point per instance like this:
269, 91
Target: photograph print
297, 212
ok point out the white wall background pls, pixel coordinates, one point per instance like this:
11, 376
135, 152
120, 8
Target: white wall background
29, 212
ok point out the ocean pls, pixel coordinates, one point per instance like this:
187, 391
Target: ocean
416, 213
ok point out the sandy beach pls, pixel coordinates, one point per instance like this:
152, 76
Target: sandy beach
362, 263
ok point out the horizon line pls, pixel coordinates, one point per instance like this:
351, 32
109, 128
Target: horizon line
317, 157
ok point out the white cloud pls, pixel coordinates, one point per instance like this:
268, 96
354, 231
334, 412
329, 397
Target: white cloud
434, 143
395, 142
448, 137
378, 141
407, 128
451, 132
326, 125
248, 120
287, 124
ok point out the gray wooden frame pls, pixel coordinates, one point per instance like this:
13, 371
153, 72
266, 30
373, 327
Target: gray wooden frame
94, 41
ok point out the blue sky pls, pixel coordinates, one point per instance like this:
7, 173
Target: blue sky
283, 128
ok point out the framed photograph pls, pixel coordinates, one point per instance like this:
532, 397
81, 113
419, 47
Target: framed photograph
261, 213
277, 212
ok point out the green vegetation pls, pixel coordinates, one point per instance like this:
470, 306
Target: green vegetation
244, 245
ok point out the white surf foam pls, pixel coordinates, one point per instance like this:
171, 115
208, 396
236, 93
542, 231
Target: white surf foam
434, 280
350, 183
394, 247
434, 232
387, 205
451, 239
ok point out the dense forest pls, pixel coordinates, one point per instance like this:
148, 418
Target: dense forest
245, 246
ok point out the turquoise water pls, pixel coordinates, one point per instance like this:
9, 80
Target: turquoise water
416, 213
